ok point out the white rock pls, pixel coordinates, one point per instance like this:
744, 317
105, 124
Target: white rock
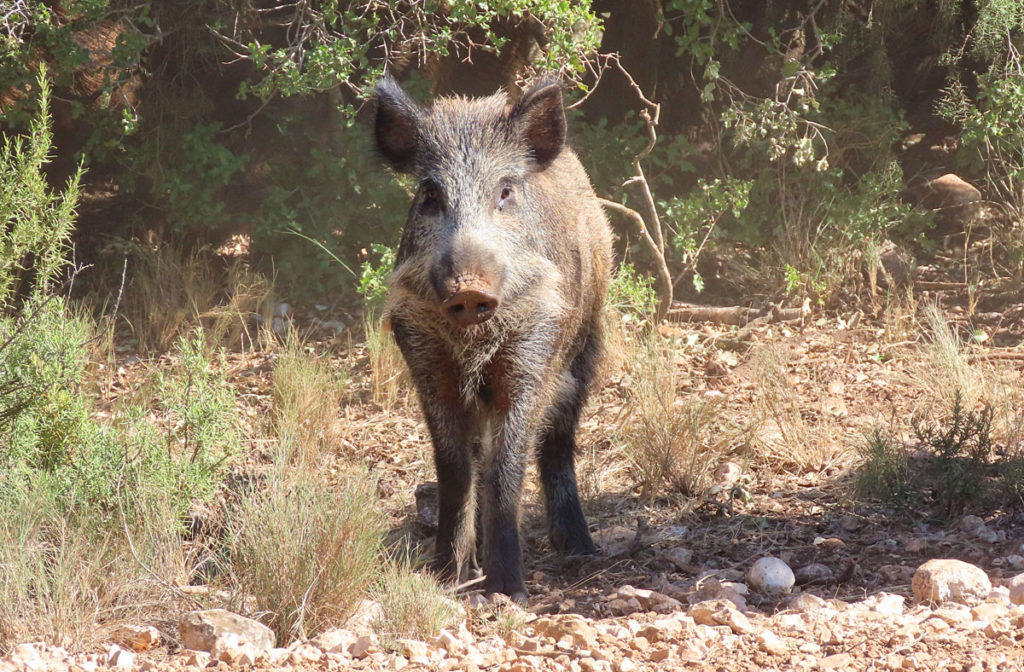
771, 576
27, 656
414, 650
947, 580
1016, 586
728, 473
336, 640
120, 658
200, 630
772, 643
886, 604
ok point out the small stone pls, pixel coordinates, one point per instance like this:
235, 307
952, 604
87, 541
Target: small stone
335, 640
720, 612
772, 643
136, 637
955, 202
614, 540
120, 658
361, 647
813, 573
947, 580
680, 557
988, 611
414, 650
851, 523
276, 655
836, 661
887, 604
27, 656
620, 607
197, 658
771, 576
1016, 586
728, 473
303, 653
975, 526
806, 602
449, 642
625, 665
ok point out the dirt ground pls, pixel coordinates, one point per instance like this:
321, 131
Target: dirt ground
791, 498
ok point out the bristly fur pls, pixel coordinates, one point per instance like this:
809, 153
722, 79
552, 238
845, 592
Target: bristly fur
502, 201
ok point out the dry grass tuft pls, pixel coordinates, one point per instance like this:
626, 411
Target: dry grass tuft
414, 605
305, 394
674, 441
944, 368
170, 291
63, 580
303, 548
392, 384
785, 438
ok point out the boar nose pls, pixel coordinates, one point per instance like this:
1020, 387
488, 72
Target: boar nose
470, 306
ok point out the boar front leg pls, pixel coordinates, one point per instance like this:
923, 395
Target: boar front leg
515, 390
452, 434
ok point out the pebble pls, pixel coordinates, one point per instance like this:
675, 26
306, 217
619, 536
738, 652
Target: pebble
771, 576
1016, 586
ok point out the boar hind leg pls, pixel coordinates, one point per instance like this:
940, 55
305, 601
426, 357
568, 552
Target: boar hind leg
567, 528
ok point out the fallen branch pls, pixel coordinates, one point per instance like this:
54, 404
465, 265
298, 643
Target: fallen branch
940, 286
1013, 356
739, 316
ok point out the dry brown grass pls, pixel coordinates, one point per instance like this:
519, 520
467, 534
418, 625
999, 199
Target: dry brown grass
785, 438
945, 366
170, 291
305, 394
674, 441
414, 605
303, 548
66, 582
392, 383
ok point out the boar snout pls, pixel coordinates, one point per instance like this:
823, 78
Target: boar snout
469, 306
468, 282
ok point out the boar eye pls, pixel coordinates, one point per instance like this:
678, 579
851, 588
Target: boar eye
504, 198
431, 200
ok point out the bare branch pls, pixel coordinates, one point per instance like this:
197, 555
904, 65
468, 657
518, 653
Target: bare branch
664, 277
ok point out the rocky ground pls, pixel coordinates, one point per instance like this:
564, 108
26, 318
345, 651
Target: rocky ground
956, 621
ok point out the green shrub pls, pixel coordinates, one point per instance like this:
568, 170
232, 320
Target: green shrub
951, 467
373, 280
886, 471
632, 294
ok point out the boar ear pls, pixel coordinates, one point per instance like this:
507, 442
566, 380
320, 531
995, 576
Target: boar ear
396, 125
540, 119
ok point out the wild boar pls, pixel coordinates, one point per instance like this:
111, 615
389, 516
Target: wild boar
496, 304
